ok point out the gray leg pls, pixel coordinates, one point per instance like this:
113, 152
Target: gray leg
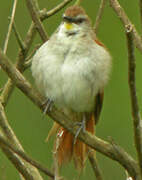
82, 126
48, 106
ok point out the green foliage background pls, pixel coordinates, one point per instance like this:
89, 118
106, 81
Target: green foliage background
116, 121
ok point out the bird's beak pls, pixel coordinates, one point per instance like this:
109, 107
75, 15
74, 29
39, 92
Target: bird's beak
68, 26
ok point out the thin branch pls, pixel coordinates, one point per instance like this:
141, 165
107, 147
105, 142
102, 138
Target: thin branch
44, 15
78, 2
9, 86
28, 171
18, 164
18, 37
99, 15
137, 122
10, 26
95, 166
24, 156
36, 19
114, 152
126, 22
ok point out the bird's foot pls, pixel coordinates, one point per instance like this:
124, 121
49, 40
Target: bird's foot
48, 104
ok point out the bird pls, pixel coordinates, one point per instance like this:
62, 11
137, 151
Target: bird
71, 70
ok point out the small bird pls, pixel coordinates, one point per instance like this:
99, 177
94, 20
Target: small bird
72, 69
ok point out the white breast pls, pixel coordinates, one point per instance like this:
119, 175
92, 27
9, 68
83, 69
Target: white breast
71, 73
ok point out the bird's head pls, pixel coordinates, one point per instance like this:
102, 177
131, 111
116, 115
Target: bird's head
75, 20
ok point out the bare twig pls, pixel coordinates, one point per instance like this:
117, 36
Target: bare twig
36, 19
44, 15
95, 165
126, 22
99, 15
78, 2
18, 37
94, 142
10, 26
28, 171
24, 156
134, 101
9, 86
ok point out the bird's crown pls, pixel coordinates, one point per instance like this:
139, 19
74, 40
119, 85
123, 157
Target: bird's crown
74, 11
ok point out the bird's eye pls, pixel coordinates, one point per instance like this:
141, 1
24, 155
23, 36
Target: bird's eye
80, 20
67, 19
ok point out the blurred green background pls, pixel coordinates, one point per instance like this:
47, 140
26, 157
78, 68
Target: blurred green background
27, 121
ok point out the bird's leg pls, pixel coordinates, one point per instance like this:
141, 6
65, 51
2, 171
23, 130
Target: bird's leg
47, 106
82, 126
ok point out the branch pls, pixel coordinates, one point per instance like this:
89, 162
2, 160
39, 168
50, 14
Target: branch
126, 22
33, 10
44, 15
113, 151
137, 122
9, 86
78, 2
28, 171
4, 143
18, 37
95, 165
10, 26
99, 15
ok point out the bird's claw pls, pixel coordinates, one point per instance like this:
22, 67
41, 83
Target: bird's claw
82, 127
48, 104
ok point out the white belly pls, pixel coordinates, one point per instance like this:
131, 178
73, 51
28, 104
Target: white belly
71, 78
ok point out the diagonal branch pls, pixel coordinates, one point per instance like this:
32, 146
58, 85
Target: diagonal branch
113, 151
126, 22
10, 26
134, 101
28, 171
9, 86
44, 15
5, 144
18, 38
99, 15
95, 166
33, 10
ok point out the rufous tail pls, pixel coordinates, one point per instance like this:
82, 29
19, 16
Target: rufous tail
66, 150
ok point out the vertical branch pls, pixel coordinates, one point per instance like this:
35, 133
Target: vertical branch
99, 15
10, 26
137, 122
126, 22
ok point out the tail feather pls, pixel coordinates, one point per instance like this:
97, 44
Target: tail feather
79, 156
67, 150
53, 131
64, 146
